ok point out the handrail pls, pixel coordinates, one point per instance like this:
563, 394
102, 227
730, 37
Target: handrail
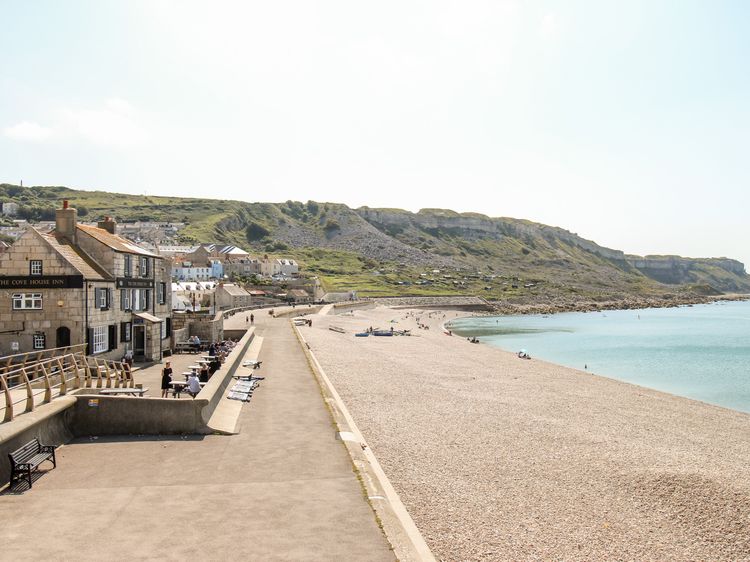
9, 361
39, 378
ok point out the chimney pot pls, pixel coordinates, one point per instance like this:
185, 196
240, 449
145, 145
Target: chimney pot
65, 203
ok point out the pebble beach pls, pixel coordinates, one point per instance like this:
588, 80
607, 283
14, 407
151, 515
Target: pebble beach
500, 458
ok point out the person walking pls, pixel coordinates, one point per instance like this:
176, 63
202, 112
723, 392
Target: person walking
166, 378
252, 319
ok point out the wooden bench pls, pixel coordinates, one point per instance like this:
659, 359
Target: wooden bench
129, 391
28, 458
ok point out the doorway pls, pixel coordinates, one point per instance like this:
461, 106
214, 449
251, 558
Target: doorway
62, 337
139, 341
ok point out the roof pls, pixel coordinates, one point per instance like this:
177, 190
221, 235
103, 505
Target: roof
76, 258
298, 293
233, 251
235, 290
115, 242
148, 317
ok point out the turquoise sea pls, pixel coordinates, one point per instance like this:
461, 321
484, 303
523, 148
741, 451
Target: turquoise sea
701, 351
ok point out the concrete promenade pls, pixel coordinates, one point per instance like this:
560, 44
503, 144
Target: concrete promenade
282, 489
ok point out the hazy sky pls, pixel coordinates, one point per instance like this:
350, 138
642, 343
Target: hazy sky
627, 122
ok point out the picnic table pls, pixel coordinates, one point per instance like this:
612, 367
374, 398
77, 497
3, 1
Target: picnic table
179, 386
126, 391
183, 346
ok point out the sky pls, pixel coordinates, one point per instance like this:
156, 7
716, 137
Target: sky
625, 122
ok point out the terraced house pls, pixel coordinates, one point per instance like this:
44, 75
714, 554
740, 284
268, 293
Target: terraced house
84, 284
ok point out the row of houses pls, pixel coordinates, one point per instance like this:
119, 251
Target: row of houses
214, 262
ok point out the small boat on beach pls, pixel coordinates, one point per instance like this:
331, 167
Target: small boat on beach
382, 333
337, 329
361, 334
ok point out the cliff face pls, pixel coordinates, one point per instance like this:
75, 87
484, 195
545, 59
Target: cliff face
676, 270
472, 225
553, 247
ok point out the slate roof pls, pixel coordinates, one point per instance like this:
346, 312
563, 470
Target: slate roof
115, 242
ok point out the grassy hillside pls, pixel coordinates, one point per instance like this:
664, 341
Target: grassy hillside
395, 252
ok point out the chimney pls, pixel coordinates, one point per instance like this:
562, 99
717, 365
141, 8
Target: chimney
108, 224
65, 222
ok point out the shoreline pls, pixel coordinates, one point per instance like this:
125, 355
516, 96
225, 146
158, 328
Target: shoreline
501, 459
554, 305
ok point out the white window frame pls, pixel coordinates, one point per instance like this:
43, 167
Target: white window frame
102, 301
128, 329
144, 267
127, 305
39, 341
27, 301
100, 342
35, 267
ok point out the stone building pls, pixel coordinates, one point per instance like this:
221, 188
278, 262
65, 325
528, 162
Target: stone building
84, 284
231, 296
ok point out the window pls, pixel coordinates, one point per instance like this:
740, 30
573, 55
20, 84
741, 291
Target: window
102, 298
146, 298
163, 325
40, 340
125, 299
144, 267
126, 331
35, 267
162, 293
100, 342
128, 265
27, 301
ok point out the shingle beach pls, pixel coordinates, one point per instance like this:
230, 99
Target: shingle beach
499, 458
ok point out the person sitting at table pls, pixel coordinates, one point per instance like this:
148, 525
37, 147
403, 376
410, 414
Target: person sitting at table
212, 349
194, 385
166, 378
196, 343
204, 373
214, 366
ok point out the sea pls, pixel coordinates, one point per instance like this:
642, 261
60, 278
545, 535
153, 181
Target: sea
700, 351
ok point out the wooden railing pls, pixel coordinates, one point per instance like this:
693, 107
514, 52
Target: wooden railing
30, 382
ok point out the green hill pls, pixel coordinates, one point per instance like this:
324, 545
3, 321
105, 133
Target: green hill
383, 252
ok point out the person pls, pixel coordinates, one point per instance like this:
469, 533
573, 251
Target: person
247, 319
166, 378
196, 343
204, 373
252, 319
212, 349
194, 385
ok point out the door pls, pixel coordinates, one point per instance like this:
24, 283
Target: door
62, 337
139, 339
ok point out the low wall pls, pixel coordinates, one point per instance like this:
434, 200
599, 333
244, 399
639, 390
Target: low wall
117, 415
343, 307
300, 310
51, 426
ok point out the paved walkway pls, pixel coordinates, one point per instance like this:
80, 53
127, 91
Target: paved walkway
283, 489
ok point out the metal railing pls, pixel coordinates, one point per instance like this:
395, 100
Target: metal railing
29, 382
